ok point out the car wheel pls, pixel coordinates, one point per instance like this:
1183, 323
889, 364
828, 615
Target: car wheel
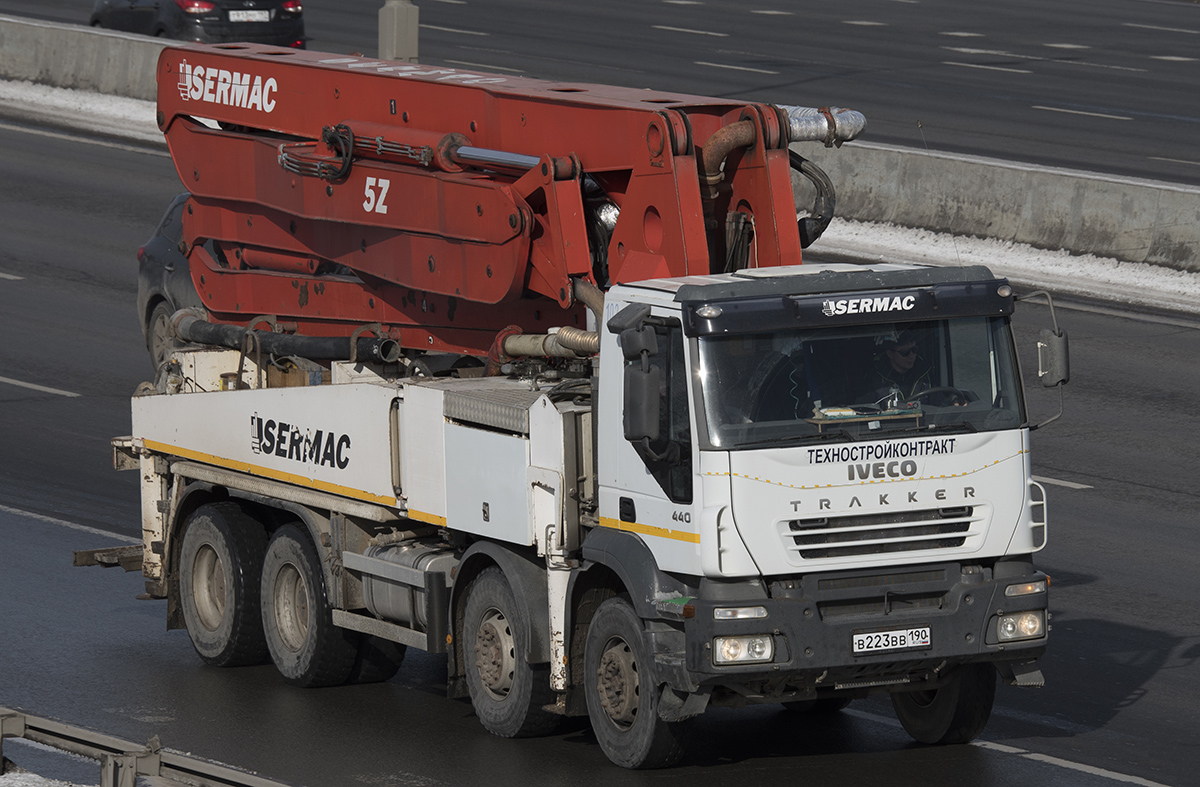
160, 339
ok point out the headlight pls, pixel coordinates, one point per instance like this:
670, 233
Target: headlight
1023, 625
738, 613
743, 650
1026, 589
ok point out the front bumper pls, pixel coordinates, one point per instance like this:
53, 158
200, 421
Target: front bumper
812, 621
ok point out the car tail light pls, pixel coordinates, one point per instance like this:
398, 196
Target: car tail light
196, 6
293, 6
141, 253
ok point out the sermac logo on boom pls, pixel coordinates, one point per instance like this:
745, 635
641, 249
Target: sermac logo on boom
230, 88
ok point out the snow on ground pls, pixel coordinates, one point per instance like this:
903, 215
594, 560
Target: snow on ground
1136, 284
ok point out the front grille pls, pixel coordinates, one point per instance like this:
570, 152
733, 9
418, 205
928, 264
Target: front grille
878, 534
883, 605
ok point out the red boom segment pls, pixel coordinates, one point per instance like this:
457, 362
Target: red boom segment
449, 204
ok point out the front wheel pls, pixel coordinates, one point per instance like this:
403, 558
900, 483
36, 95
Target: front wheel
507, 692
308, 650
622, 693
955, 713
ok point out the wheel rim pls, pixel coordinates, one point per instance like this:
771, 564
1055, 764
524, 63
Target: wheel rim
291, 607
208, 587
160, 338
617, 683
495, 653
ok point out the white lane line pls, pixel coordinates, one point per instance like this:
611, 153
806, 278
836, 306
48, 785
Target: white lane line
1173, 58
1081, 112
34, 387
485, 66
1015, 56
736, 68
683, 2
73, 138
1164, 29
454, 30
670, 29
961, 34
1067, 46
1173, 160
64, 523
1041, 479
1001, 748
11, 277
987, 68
864, 23
773, 13
452, 2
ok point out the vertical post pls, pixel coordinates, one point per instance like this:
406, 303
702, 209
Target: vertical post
398, 31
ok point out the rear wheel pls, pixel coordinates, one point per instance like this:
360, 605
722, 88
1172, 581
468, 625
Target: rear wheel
507, 692
955, 713
160, 340
622, 693
220, 564
308, 650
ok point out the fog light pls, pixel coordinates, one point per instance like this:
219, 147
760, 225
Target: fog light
743, 650
1023, 625
739, 613
1026, 589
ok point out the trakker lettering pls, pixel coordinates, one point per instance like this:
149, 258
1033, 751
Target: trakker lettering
939, 495
869, 305
880, 451
276, 438
230, 88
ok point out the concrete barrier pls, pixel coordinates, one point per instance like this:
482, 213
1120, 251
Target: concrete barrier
79, 57
1086, 213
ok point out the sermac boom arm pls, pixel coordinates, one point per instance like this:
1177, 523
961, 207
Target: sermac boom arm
333, 191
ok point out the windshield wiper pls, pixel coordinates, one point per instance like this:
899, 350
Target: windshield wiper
959, 426
840, 435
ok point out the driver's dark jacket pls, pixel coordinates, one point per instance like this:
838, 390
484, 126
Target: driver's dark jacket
916, 379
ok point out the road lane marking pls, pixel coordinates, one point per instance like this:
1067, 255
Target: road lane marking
454, 30
670, 29
683, 2
1001, 748
1001, 53
736, 68
64, 523
773, 13
1067, 46
986, 68
1081, 112
961, 34
11, 277
1173, 58
1041, 479
35, 387
1173, 160
74, 138
485, 66
1164, 29
864, 23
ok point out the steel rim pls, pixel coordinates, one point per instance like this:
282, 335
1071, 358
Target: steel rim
617, 683
495, 654
208, 587
160, 338
291, 607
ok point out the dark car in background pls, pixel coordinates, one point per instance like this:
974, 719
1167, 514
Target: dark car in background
278, 22
164, 283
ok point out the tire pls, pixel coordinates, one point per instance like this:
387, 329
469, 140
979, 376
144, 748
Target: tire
507, 692
955, 713
160, 341
220, 568
622, 693
826, 706
307, 649
378, 660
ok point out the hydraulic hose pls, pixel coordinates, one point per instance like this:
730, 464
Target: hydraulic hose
191, 328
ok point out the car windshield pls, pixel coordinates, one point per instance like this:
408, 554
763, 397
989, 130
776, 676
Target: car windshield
860, 382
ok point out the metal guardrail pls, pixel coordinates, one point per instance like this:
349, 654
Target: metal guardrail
122, 762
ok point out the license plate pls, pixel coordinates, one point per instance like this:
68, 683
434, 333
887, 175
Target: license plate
894, 639
249, 16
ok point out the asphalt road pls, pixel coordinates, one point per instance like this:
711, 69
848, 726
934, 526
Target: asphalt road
1105, 85
1123, 675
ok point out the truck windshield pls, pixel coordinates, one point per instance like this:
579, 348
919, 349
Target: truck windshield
860, 382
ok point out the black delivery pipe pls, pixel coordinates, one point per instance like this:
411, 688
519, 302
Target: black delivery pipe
191, 328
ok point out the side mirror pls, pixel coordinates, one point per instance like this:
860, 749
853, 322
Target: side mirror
643, 405
1054, 362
